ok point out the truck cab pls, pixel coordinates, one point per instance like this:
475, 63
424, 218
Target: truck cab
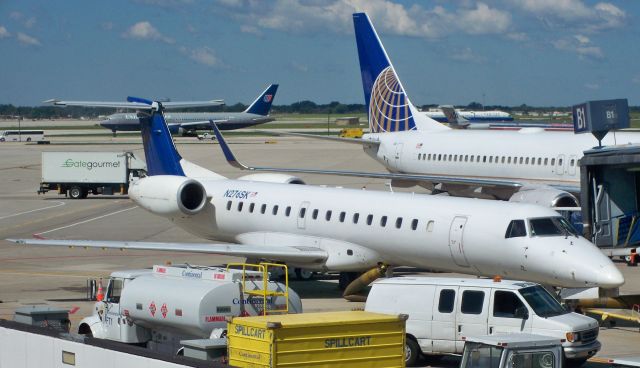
512, 351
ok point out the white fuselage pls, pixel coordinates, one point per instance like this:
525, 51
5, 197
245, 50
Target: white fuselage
440, 233
530, 155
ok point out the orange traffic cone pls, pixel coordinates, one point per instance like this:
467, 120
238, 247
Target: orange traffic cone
100, 294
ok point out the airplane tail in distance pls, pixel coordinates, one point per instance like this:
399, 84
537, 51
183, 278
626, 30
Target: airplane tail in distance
160, 152
454, 119
262, 104
388, 106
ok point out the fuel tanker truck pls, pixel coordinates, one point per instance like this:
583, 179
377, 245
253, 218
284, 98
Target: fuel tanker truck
157, 308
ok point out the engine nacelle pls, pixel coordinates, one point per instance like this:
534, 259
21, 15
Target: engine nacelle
548, 197
168, 195
273, 178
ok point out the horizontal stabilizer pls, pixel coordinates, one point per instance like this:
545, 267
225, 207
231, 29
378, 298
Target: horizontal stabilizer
280, 253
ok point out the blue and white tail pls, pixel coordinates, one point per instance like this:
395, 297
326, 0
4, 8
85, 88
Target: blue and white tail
262, 104
388, 107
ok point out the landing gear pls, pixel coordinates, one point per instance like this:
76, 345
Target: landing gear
304, 275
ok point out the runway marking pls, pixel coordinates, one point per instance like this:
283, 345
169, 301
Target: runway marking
86, 221
36, 210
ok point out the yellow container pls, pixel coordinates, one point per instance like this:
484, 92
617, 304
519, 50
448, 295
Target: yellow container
329, 339
351, 133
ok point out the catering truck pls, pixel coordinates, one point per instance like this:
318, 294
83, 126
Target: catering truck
443, 310
163, 307
76, 174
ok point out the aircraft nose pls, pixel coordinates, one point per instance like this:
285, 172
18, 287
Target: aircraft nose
610, 277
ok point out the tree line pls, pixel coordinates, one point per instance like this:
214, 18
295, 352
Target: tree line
301, 107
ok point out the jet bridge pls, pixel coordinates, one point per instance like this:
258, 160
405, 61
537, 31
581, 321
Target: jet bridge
610, 198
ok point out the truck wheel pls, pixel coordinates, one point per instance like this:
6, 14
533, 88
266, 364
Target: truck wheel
411, 352
28, 139
76, 192
304, 275
575, 363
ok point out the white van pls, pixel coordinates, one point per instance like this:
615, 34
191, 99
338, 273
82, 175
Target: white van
21, 135
444, 310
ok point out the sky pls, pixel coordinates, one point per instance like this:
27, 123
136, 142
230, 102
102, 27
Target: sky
497, 52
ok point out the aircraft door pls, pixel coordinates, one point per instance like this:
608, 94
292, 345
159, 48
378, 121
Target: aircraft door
456, 241
508, 314
560, 165
397, 158
302, 215
443, 327
471, 316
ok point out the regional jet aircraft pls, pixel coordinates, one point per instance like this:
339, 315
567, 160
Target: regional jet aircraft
529, 165
268, 216
186, 123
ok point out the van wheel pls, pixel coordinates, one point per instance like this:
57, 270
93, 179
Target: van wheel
304, 275
75, 192
411, 352
28, 139
575, 363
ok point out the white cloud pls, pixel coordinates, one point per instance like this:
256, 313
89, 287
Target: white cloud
145, 31
251, 30
390, 17
16, 15
575, 13
636, 79
466, 55
22, 19
579, 44
27, 40
4, 33
592, 86
299, 67
517, 36
30, 22
203, 55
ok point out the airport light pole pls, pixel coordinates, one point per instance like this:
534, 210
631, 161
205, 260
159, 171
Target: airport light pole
19, 129
328, 116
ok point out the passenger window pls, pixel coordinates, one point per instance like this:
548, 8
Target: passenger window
429, 157
439, 157
342, 216
229, 206
398, 222
356, 216
430, 226
546, 161
263, 209
509, 159
303, 212
484, 158
520, 160
383, 221
490, 159
251, 207
526, 162
447, 300
450, 158
314, 215
553, 162
533, 160
506, 304
327, 216
240, 204
572, 162
414, 224
455, 158
369, 219
502, 160
472, 158
560, 162
275, 210
472, 301
539, 161
516, 229
287, 212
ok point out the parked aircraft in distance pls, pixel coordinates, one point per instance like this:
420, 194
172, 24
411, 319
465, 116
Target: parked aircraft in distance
186, 123
471, 116
455, 120
268, 216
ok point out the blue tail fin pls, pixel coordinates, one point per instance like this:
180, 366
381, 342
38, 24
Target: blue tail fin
159, 150
388, 107
262, 104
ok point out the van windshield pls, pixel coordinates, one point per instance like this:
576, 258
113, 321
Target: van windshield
542, 303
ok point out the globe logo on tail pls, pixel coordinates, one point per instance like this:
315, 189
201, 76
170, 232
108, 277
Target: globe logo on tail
389, 109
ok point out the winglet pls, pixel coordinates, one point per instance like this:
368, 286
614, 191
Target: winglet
231, 159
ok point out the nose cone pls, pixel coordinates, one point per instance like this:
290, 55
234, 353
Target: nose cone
610, 277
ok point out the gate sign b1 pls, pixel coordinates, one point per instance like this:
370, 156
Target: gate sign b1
599, 117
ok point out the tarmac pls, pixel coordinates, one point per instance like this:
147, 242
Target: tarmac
57, 276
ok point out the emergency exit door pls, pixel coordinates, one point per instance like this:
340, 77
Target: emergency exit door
456, 241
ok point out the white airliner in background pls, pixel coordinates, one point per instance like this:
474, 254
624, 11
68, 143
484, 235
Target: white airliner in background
528, 165
268, 216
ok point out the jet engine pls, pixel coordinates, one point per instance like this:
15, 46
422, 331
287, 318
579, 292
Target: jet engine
273, 178
169, 196
548, 197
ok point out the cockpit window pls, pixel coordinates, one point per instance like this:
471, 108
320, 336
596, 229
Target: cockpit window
516, 229
551, 226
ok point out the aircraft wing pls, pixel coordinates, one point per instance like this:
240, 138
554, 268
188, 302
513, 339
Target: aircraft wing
280, 253
137, 104
231, 159
206, 123
323, 137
